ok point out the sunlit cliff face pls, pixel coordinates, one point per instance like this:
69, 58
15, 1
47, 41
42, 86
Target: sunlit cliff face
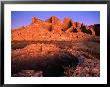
54, 29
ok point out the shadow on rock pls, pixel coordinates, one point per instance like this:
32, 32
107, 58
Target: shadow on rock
51, 65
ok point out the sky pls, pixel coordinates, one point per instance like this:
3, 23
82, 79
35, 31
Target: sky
23, 18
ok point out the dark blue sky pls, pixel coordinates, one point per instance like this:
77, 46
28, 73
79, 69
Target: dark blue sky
23, 18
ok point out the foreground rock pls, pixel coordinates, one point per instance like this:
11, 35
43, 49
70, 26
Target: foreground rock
48, 59
28, 73
85, 68
59, 59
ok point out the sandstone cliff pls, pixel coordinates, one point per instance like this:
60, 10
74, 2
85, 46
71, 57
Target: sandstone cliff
55, 29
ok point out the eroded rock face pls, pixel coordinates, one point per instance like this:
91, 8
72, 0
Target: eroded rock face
93, 32
96, 28
36, 20
67, 23
85, 29
46, 30
56, 24
74, 24
78, 24
55, 20
70, 29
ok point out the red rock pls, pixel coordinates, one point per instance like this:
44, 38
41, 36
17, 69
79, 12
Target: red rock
78, 29
36, 20
67, 23
56, 23
53, 20
74, 24
78, 24
70, 29
43, 30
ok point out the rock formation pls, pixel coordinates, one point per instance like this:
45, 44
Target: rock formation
67, 23
96, 28
52, 29
53, 48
